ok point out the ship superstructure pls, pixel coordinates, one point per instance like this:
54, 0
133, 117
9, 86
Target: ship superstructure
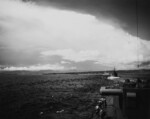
128, 101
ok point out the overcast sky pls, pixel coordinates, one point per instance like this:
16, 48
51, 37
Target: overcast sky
74, 34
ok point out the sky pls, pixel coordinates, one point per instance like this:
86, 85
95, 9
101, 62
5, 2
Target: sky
74, 35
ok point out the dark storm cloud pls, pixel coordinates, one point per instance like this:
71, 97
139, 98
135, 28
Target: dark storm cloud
145, 64
91, 66
87, 65
18, 57
120, 12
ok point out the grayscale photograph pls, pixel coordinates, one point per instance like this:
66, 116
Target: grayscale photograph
74, 59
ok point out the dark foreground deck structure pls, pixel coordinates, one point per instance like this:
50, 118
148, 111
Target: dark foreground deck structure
128, 102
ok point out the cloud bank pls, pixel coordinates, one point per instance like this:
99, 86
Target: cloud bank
33, 34
35, 67
124, 12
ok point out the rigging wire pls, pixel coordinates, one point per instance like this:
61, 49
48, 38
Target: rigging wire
137, 34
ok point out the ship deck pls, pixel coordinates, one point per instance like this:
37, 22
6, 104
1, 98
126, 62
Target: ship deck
134, 106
